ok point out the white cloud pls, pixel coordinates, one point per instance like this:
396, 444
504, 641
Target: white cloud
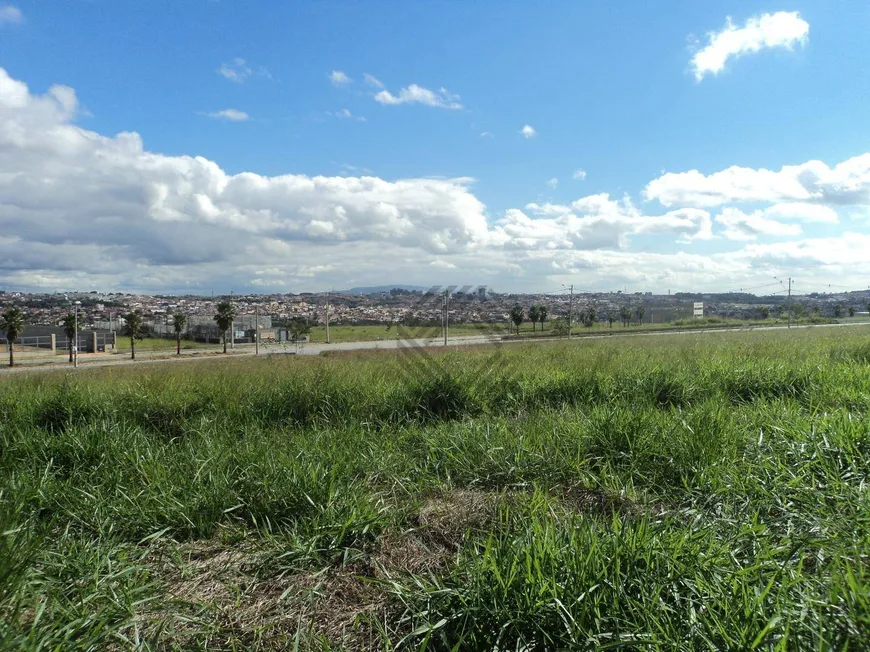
593, 222
238, 71
486, 134
579, 175
782, 29
373, 81
553, 183
82, 209
71, 195
414, 94
848, 183
345, 114
233, 115
748, 226
10, 15
802, 212
819, 258
528, 132
338, 78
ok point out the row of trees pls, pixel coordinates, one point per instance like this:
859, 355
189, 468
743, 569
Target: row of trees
226, 314
12, 323
799, 310
535, 314
586, 317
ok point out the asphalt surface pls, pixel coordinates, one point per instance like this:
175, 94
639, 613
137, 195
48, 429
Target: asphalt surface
387, 345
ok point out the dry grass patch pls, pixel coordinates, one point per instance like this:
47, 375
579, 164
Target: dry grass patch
215, 595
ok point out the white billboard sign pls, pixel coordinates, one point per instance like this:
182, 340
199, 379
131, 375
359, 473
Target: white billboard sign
698, 309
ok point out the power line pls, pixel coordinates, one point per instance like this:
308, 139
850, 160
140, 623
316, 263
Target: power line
756, 287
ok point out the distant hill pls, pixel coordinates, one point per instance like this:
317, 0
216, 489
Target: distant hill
375, 289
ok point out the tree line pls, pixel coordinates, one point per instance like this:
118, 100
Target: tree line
587, 317
12, 323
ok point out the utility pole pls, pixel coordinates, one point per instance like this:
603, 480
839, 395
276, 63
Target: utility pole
232, 326
257, 329
76, 336
789, 301
446, 314
327, 317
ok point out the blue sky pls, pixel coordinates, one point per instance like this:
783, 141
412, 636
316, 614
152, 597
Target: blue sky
623, 91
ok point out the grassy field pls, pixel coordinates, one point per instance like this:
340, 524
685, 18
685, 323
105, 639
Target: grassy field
380, 332
152, 344
701, 492
527, 329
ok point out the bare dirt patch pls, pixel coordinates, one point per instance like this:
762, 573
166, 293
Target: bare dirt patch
220, 595
214, 595
217, 595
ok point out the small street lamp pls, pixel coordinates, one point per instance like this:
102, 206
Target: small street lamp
76, 336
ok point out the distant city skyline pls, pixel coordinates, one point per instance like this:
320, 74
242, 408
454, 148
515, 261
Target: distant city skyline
188, 147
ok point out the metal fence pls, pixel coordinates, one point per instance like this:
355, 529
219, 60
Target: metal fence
87, 343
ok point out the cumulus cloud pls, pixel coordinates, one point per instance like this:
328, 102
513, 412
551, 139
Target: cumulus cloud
414, 94
528, 131
338, 78
802, 212
781, 29
835, 257
847, 183
486, 134
82, 209
61, 184
233, 115
593, 222
579, 175
10, 15
553, 183
748, 226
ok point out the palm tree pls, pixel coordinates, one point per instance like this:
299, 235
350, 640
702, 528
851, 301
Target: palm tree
534, 315
12, 323
179, 321
542, 315
69, 329
591, 315
838, 311
610, 318
517, 316
226, 313
133, 328
640, 311
625, 315
851, 311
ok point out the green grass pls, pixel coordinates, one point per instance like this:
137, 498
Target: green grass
374, 332
700, 492
159, 344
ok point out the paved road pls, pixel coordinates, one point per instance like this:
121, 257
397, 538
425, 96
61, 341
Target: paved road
387, 345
